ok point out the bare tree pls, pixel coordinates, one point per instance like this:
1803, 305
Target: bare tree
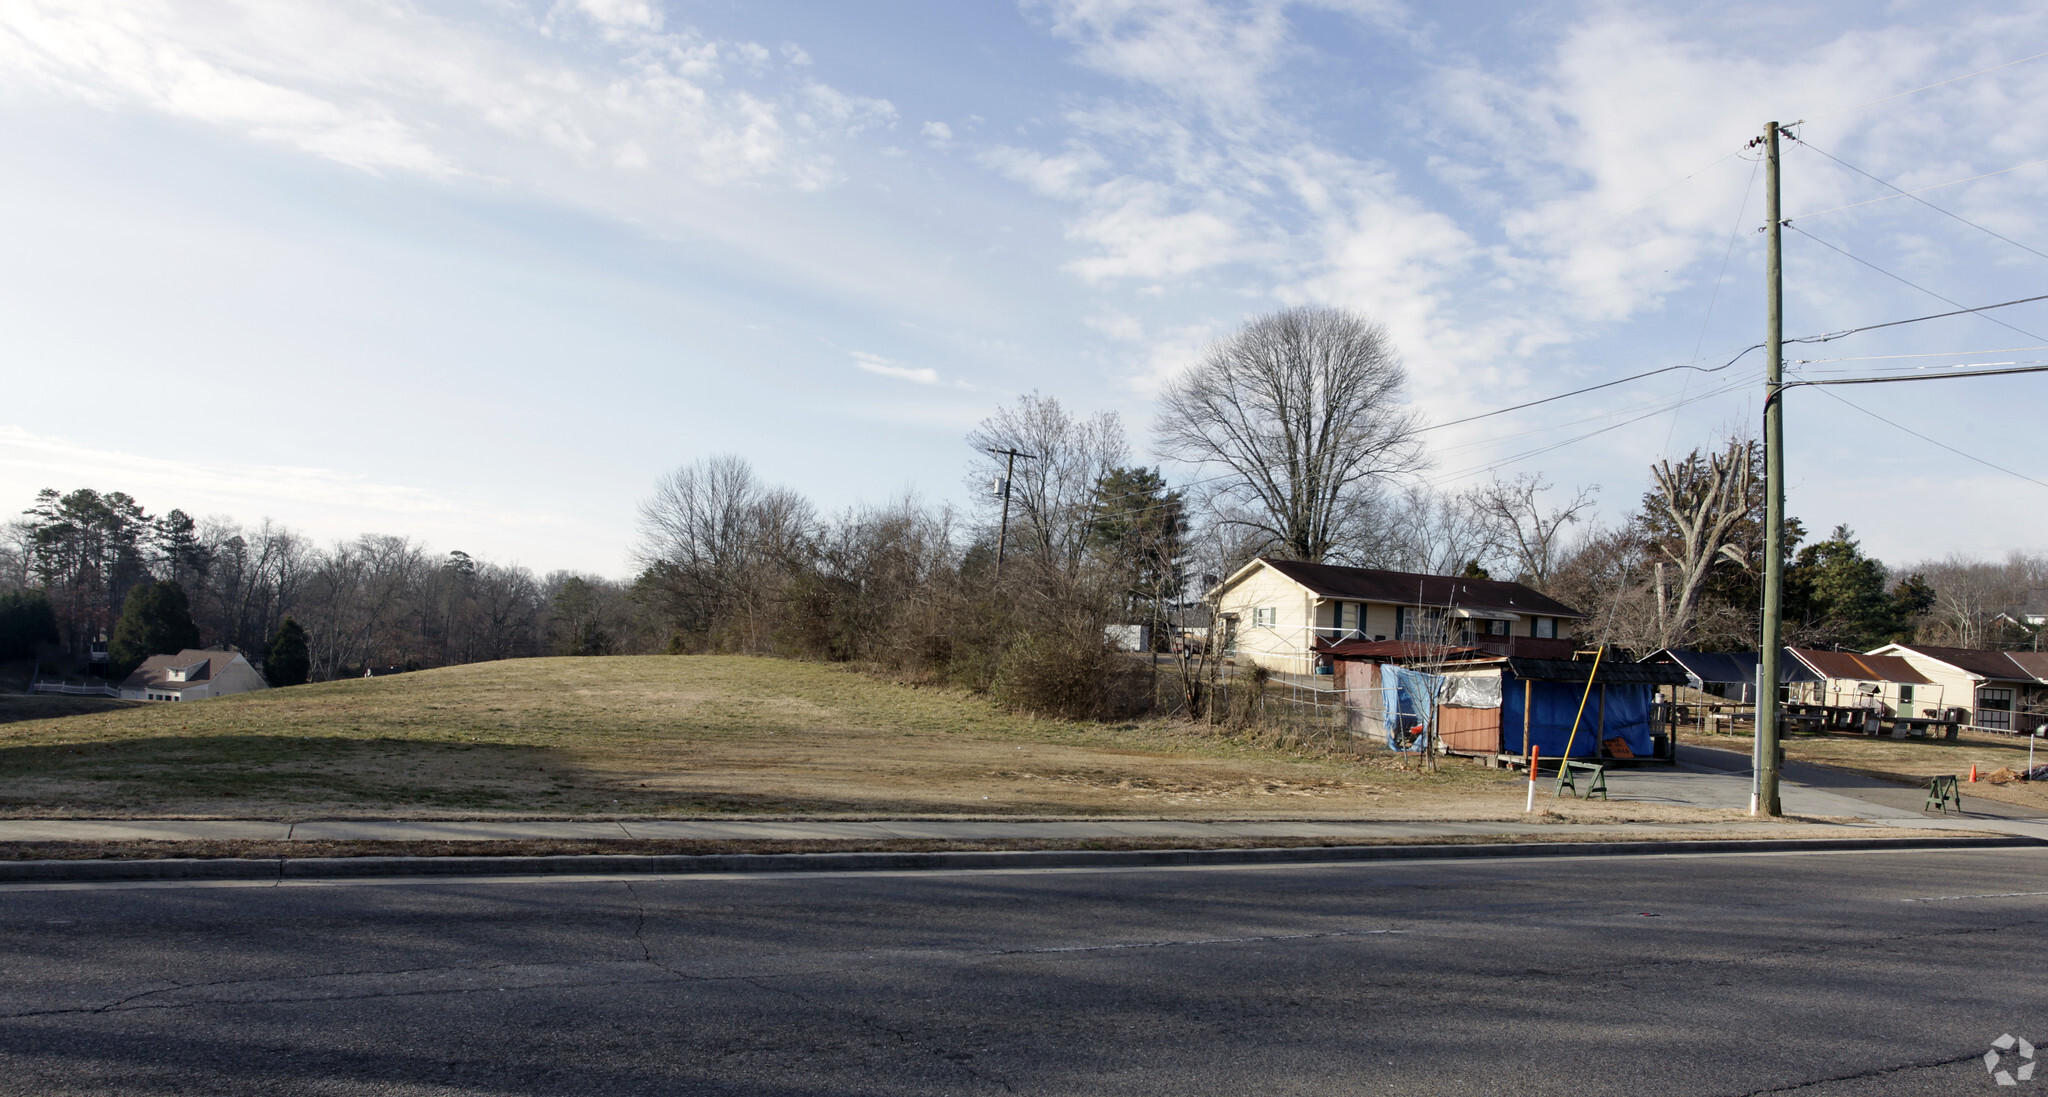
713, 540
1431, 532
1699, 503
1052, 493
1525, 528
1303, 410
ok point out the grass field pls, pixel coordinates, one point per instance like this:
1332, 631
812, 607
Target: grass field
687, 735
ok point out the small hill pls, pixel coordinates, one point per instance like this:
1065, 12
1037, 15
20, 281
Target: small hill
659, 734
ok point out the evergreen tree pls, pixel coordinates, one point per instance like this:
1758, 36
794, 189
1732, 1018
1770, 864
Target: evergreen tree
287, 663
26, 619
156, 620
1837, 595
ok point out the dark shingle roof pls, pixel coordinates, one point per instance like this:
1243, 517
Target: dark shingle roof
1577, 671
1990, 664
1734, 667
1860, 668
1406, 588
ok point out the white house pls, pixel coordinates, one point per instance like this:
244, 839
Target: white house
190, 675
1279, 613
1997, 687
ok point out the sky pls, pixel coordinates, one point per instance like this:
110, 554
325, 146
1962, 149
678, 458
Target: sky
479, 273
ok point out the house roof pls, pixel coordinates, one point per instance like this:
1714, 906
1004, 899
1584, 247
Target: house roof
1407, 588
1579, 670
1394, 650
155, 671
1860, 668
1732, 667
2033, 662
2001, 665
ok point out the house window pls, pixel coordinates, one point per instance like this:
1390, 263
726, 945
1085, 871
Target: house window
1493, 628
1994, 709
1265, 616
1544, 628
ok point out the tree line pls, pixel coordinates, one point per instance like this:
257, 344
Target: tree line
1292, 437
76, 560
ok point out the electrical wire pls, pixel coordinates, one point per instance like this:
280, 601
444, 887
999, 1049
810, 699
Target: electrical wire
1904, 194
1931, 441
1540, 450
1930, 87
1595, 388
1907, 193
1905, 281
1923, 377
1924, 369
1734, 234
1923, 354
1834, 335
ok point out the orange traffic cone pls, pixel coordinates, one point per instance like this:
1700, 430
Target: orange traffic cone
1973, 773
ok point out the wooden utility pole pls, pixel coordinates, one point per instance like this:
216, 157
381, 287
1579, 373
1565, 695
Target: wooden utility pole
1009, 457
1774, 490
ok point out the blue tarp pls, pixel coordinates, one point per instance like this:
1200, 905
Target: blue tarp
1405, 697
1626, 714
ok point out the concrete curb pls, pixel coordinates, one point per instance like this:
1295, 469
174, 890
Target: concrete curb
341, 868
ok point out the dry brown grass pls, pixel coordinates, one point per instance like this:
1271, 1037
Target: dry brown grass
681, 735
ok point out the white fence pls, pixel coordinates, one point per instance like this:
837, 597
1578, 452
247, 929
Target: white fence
79, 689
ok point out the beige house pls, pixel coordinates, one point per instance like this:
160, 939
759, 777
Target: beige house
1281, 613
2000, 690
190, 675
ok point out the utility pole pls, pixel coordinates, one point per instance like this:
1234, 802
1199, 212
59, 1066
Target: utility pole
1774, 490
1009, 457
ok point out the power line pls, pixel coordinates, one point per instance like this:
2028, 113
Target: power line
1908, 193
1734, 234
1921, 377
1594, 388
1930, 87
1931, 441
1924, 202
1540, 450
1904, 281
1834, 335
1924, 354
1927, 370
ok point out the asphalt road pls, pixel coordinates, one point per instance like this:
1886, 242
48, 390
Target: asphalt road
1857, 973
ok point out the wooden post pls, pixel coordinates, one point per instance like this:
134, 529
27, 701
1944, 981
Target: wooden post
1528, 697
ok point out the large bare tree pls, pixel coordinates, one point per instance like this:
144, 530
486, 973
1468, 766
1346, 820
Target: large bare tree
1526, 528
1052, 491
1696, 509
1303, 411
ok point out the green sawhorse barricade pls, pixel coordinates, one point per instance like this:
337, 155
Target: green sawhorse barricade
1567, 780
1942, 792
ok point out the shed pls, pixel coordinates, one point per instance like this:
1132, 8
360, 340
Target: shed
1505, 704
1731, 674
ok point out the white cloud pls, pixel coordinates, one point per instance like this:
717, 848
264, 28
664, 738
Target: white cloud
634, 14
876, 364
937, 131
395, 88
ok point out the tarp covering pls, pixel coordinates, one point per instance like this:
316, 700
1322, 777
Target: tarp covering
1472, 691
1553, 705
1405, 702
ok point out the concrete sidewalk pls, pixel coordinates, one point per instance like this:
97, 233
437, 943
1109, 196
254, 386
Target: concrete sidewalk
398, 830
1705, 777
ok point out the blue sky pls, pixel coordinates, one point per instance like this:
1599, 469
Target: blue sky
478, 273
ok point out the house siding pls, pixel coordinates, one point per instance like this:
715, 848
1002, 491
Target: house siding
1286, 644
1282, 646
